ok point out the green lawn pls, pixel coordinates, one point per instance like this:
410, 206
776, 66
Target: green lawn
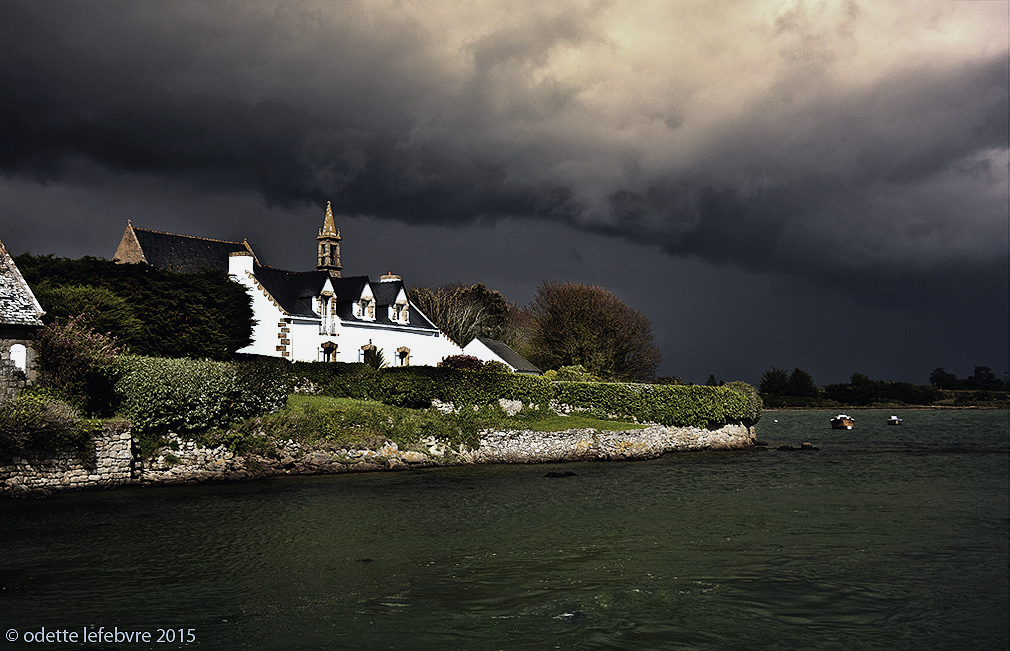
347, 423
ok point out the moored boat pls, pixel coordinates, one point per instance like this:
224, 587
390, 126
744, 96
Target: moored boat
894, 420
841, 421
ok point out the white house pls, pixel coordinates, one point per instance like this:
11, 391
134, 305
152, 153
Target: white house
490, 349
312, 315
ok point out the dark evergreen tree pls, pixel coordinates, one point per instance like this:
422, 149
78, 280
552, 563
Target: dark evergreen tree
983, 379
204, 315
775, 382
941, 379
801, 384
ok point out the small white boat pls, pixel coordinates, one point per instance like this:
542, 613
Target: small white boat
894, 420
841, 421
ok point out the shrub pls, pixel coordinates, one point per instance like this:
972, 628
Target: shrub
754, 403
36, 421
494, 366
261, 386
338, 379
575, 374
77, 363
375, 358
188, 396
462, 362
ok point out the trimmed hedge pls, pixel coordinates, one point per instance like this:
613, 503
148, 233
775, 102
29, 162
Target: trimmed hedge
693, 406
187, 396
417, 386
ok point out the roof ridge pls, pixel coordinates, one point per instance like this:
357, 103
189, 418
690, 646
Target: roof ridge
192, 237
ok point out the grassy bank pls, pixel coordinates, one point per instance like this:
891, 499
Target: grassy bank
345, 423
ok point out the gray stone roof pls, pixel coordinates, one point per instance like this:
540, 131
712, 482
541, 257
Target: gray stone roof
180, 253
17, 302
509, 356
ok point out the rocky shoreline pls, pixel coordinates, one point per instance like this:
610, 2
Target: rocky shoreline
183, 462
191, 464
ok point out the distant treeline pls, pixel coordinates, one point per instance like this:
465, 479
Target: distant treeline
780, 388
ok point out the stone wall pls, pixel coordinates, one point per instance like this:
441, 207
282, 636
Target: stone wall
114, 461
12, 380
110, 463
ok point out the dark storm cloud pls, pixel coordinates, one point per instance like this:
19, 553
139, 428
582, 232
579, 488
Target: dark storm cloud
781, 138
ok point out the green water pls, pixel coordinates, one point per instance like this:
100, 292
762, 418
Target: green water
886, 538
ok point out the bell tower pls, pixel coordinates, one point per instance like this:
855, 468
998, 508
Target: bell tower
328, 245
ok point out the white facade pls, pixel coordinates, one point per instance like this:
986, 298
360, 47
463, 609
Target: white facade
321, 334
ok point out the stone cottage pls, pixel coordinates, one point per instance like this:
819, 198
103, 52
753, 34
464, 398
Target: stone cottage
20, 317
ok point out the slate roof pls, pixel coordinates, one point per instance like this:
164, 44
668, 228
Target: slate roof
292, 290
386, 292
511, 357
18, 305
185, 253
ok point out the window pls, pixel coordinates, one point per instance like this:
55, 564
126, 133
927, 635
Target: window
19, 355
403, 356
364, 349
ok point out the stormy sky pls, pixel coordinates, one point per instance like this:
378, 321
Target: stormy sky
821, 185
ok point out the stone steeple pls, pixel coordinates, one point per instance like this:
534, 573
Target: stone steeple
328, 245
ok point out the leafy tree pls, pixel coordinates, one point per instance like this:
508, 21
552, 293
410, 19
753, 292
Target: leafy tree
801, 384
463, 312
775, 382
574, 324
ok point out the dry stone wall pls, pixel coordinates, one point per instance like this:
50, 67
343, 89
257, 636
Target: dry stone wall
111, 462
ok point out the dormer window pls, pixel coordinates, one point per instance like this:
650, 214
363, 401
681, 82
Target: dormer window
366, 309
399, 312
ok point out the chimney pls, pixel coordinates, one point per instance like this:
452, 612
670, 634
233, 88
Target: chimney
389, 277
240, 263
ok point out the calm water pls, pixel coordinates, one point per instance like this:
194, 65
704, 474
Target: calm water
886, 538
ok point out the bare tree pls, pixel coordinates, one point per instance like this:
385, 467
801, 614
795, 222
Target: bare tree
463, 312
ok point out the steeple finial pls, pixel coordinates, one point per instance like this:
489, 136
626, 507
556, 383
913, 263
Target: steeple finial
329, 228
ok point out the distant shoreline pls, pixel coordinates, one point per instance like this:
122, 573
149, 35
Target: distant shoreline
892, 408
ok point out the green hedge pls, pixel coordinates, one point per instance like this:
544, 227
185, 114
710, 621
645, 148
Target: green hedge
417, 386
694, 406
187, 396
